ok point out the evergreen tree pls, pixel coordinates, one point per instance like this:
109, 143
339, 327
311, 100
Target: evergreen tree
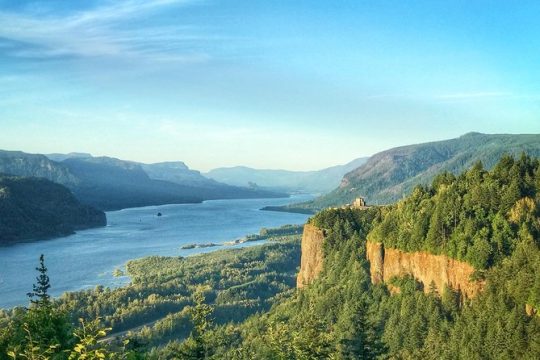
39, 296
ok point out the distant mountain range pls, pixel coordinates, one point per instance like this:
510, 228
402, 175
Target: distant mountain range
35, 208
110, 184
389, 175
319, 181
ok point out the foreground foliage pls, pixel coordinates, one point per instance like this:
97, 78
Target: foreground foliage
159, 304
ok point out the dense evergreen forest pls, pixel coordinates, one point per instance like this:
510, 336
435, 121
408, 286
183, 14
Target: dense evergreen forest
242, 305
478, 217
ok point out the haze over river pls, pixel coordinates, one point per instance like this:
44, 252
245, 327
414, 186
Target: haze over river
88, 258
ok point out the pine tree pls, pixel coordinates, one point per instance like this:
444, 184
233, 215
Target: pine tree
41, 288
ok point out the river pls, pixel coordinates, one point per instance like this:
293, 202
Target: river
88, 258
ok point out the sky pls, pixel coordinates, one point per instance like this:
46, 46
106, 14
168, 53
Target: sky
296, 85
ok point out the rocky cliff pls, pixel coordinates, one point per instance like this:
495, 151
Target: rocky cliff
440, 270
34, 165
312, 255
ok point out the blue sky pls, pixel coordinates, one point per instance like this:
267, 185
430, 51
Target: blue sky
269, 84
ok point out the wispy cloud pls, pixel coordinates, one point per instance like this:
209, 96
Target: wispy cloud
109, 30
455, 97
474, 95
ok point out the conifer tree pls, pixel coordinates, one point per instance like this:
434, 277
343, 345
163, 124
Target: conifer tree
39, 296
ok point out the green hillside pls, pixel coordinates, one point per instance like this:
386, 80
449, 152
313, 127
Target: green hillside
389, 175
475, 217
342, 315
32, 208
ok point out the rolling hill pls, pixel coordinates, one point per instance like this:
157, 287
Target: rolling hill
389, 175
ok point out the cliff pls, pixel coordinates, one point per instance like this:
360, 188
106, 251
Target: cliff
111, 184
18, 163
387, 263
312, 255
440, 270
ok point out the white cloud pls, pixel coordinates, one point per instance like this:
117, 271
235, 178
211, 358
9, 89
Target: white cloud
98, 33
474, 95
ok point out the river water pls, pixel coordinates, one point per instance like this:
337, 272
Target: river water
88, 258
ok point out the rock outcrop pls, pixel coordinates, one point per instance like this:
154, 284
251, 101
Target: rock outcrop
312, 255
530, 310
440, 270
387, 263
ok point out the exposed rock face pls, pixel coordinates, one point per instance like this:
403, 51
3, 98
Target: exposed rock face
425, 267
530, 310
312, 255
33, 165
388, 263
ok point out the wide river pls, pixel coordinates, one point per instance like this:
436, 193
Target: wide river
88, 258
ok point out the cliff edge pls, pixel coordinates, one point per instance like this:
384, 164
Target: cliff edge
440, 270
387, 263
312, 255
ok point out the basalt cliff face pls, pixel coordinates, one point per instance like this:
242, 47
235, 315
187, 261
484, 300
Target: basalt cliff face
387, 263
440, 270
312, 255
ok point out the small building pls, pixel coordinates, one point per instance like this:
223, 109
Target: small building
359, 203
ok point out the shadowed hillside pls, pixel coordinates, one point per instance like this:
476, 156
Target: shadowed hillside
111, 184
32, 208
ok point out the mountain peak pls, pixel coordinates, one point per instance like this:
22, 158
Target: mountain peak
178, 165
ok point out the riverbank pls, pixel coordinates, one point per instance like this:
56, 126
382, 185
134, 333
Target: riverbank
89, 258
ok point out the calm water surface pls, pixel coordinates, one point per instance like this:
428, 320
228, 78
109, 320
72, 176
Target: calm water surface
89, 257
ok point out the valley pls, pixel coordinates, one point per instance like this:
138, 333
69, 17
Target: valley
402, 280
88, 258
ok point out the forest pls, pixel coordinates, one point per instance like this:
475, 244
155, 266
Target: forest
241, 304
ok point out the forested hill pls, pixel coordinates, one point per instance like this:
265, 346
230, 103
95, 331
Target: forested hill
477, 217
33, 208
343, 315
389, 175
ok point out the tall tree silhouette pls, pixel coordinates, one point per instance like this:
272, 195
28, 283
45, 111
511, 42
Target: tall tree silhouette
39, 295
